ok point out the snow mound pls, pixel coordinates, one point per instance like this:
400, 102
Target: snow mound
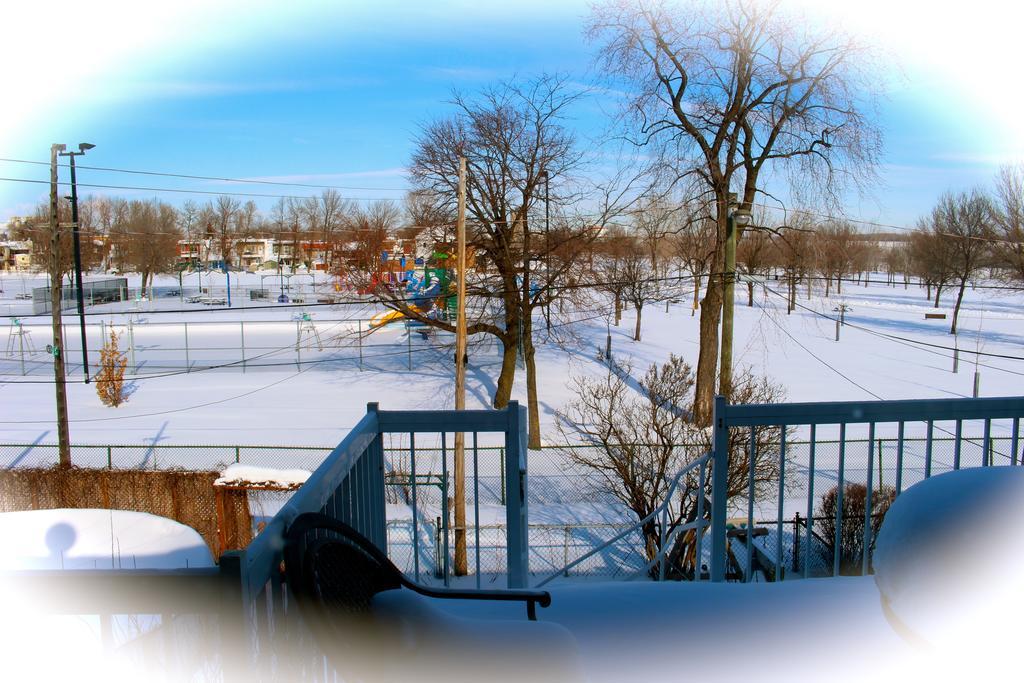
98, 539
251, 476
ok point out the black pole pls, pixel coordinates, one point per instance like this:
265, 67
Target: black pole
547, 246
78, 266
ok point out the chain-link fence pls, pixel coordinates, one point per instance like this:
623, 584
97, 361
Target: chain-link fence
308, 340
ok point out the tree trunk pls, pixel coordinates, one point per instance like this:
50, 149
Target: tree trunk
507, 376
707, 358
828, 286
636, 332
750, 294
145, 277
839, 285
956, 309
938, 293
696, 296
618, 308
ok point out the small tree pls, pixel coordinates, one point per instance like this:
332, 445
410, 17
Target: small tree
642, 440
851, 535
110, 380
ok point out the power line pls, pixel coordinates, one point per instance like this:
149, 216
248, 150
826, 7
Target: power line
246, 181
184, 191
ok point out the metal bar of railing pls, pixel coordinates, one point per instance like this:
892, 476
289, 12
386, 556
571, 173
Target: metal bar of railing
928, 449
782, 493
444, 503
699, 531
810, 502
956, 444
1014, 441
899, 458
415, 508
751, 467
476, 506
986, 446
867, 503
840, 486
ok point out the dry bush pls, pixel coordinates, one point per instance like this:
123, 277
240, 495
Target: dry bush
110, 380
851, 534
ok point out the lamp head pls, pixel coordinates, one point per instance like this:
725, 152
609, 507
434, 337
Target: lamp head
83, 146
741, 217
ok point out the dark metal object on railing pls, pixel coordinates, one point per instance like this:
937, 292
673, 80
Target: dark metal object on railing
314, 544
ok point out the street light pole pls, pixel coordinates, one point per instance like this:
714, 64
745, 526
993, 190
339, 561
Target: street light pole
737, 218
83, 147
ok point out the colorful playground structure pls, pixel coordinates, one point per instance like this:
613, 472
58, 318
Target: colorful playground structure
425, 296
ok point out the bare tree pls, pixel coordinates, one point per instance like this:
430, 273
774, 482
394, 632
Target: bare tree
721, 92
642, 440
516, 147
638, 287
753, 258
839, 253
1009, 220
962, 222
694, 247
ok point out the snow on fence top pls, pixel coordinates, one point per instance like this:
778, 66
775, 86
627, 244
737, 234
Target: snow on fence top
253, 477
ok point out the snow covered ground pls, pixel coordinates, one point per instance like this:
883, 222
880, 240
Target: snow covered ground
882, 354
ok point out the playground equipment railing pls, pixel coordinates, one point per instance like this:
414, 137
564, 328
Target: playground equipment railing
892, 419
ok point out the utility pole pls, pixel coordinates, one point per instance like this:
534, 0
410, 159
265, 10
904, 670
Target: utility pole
737, 217
841, 309
63, 434
460, 380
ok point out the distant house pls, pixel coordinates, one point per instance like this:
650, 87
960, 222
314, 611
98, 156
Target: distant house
15, 255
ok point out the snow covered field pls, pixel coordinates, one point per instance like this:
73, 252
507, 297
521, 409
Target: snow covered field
884, 353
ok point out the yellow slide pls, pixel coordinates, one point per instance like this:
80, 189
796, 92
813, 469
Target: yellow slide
385, 318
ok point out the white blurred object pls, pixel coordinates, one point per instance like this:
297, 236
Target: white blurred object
948, 566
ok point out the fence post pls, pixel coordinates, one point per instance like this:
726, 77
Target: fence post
188, 364
238, 456
131, 346
110, 459
359, 341
719, 475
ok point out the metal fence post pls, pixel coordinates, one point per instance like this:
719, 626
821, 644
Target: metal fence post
719, 475
359, 341
238, 455
131, 346
110, 458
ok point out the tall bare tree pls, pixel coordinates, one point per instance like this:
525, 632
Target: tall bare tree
962, 224
1009, 220
723, 91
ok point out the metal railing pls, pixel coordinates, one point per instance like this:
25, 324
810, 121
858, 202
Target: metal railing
894, 421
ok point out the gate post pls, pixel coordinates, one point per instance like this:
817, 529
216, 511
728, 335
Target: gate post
515, 496
719, 477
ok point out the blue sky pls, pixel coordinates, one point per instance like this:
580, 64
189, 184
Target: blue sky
333, 93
